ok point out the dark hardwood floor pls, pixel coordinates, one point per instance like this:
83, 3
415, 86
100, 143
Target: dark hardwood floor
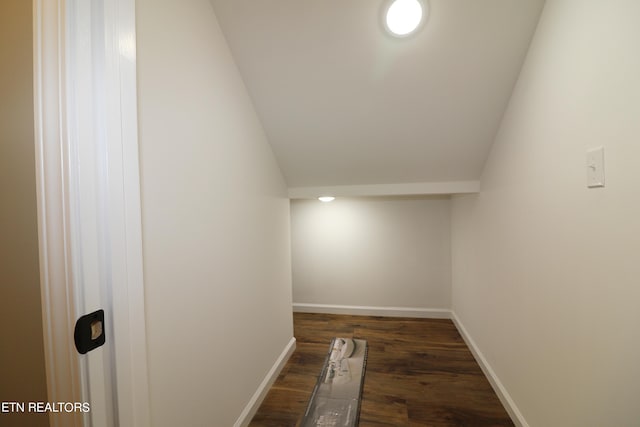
419, 373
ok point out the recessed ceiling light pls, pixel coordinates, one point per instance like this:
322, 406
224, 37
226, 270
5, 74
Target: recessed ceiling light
326, 199
403, 17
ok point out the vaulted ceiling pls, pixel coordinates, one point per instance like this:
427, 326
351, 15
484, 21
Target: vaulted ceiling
343, 103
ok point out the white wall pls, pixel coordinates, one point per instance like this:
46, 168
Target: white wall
380, 252
546, 273
22, 365
215, 222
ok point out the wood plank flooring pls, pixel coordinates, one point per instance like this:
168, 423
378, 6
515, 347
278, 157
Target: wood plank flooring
419, 373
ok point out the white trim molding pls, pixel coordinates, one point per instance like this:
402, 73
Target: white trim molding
357, 310
62, 364
498, 387
125, 220
256, 400
89, 218
402, 189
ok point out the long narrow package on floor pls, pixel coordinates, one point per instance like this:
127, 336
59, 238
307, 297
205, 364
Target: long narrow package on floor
335, 401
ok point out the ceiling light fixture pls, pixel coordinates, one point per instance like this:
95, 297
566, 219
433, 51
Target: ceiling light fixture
326, 199
403, 17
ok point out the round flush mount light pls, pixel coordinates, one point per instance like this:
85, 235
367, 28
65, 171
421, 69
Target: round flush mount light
403, 17
326, 199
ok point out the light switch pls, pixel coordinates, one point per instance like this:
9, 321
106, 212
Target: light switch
595, 167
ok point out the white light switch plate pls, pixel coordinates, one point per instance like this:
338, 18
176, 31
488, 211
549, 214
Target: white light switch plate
595, 167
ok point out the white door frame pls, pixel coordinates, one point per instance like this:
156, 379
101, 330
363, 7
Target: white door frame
63, 152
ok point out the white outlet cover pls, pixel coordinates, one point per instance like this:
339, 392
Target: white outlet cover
595, 167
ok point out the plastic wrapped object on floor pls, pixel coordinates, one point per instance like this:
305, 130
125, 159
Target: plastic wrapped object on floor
335, 401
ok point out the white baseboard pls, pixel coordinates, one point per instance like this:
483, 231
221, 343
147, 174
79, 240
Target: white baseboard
357, 310
256, 400
501, 391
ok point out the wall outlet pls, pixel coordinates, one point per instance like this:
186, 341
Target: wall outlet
595, 167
